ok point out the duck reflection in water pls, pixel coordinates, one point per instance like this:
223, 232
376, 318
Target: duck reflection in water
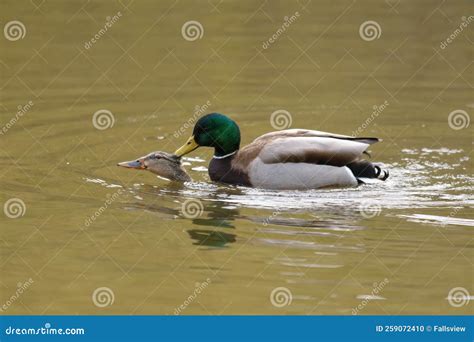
216, 216
211, 238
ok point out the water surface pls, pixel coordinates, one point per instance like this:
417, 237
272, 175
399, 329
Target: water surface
409, 237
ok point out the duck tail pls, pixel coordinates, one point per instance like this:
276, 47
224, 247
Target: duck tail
380, 173
366, 169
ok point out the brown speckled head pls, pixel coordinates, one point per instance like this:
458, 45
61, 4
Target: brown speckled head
163, 164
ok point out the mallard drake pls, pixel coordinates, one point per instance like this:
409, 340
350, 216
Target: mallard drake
287, 159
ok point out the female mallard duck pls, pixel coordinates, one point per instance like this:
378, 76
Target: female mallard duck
160, 163
287, 159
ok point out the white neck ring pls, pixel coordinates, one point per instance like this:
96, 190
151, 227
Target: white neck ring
225, 155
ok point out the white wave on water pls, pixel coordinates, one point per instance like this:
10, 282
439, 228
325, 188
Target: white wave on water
440, 220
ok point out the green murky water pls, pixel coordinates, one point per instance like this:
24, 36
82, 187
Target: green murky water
397, 247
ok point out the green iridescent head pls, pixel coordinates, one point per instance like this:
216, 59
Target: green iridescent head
213, 130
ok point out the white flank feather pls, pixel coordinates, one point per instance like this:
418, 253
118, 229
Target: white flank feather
298, 176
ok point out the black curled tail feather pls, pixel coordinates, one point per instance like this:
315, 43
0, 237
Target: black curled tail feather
381, 174
365, 169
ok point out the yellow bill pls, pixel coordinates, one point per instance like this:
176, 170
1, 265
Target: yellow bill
189, 146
